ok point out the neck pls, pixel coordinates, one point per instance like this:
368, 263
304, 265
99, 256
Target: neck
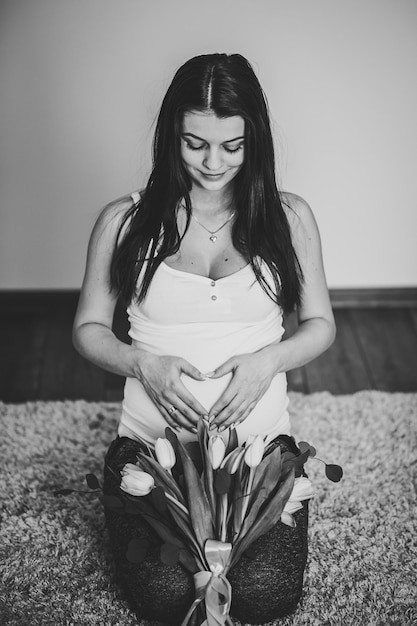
211, 203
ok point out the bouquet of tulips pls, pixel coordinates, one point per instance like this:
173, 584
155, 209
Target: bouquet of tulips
210, 500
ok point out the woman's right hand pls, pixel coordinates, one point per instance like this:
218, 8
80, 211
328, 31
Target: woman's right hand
161, 378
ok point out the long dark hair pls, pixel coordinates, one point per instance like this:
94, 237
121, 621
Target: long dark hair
227, 86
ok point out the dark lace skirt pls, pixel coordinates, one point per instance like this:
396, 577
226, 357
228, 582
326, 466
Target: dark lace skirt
265, 585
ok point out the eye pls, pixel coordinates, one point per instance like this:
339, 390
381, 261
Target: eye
191, 147
233, 150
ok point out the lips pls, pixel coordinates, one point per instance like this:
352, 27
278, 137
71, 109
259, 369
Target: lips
213, 176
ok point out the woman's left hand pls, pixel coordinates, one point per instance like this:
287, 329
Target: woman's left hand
251, 377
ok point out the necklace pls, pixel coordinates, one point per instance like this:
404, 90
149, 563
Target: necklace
213, 233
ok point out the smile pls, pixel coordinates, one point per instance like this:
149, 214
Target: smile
212, 176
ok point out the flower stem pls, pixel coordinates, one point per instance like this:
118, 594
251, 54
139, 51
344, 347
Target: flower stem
248, 492
224, 517
178, 504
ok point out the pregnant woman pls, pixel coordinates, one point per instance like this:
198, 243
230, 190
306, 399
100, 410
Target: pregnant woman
208, 257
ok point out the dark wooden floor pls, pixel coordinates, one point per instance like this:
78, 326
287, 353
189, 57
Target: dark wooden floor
376, 348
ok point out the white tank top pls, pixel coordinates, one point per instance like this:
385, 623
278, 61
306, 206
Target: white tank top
205, 322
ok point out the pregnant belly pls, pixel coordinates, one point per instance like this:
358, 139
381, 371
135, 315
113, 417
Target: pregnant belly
207, 391
141, 416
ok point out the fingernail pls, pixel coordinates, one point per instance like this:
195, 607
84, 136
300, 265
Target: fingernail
222, 428
211, 418
208, 374
194, 430
212, 426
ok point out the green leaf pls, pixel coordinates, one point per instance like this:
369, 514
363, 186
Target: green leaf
289, 442
334, 472
133, 507
169, 554
112, 502
169, 534
194, 452
305, 446
297, 461
268, 471
237, 498
159, 499
92, 481
232, 441
269, 515
137, 550
182, 531
222, 481
200, 511
265, 484
63, 492
193, 449
172, 437
161, 476
207, 474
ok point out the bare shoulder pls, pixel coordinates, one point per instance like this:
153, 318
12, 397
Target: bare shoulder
109, 221
112, 215
295, 207
299, 214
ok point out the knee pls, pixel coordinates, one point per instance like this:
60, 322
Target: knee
265, 594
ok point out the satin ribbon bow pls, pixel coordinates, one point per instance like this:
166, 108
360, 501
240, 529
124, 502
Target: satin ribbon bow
212, 585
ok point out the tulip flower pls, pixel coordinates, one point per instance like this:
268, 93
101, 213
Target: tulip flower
254, 451
216, 451
302, 490
232, 461
165, 453
135, 481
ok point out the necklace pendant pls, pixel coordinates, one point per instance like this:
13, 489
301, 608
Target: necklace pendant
213, 238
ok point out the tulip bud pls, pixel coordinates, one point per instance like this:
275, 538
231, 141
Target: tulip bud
302, 490
216, 451
232, 461
135, 481
254, 451
287, 518
165, 453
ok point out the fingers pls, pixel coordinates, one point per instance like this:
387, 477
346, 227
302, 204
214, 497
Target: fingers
234, 413
178, 413
161, 377
226, 367
181, 397
188, 410
190, 370
176, 420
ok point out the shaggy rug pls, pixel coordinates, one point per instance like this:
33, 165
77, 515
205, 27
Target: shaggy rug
56, 569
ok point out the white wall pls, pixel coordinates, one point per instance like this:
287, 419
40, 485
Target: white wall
81, 80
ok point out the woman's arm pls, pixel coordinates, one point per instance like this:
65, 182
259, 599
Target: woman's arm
316, 330
92, 329
253, 373
94, 339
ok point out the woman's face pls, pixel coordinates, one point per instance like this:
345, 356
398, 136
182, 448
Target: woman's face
212, 148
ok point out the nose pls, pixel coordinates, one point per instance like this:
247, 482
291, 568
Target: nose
212, 160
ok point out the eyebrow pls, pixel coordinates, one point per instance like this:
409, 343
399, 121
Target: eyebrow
201, 139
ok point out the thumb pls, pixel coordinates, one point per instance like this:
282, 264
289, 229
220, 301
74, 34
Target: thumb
190, 370
225, 368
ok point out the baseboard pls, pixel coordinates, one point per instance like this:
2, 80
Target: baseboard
17, 299
399, 297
